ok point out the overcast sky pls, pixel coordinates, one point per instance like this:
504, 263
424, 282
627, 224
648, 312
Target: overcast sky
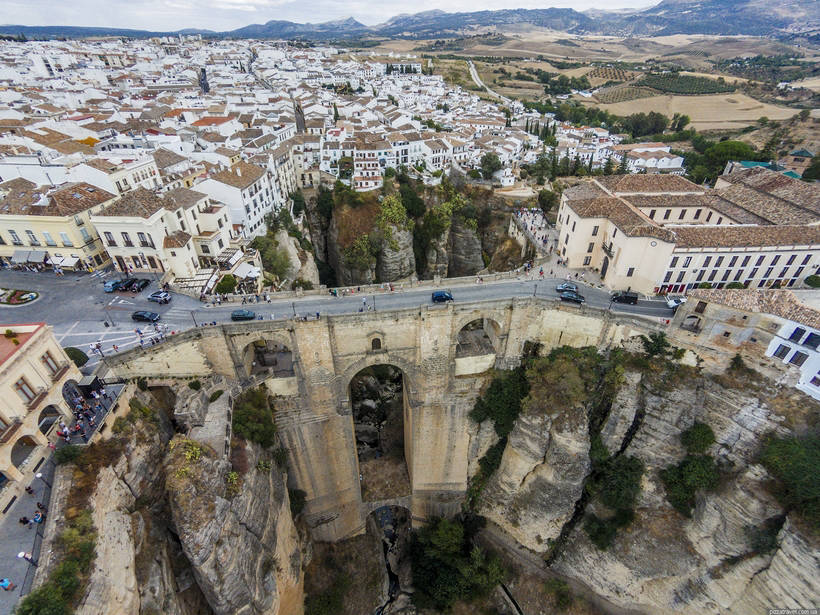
169, 15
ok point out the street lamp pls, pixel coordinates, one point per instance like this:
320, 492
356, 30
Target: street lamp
42, 478
194, 318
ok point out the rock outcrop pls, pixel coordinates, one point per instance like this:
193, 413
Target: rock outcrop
236, 530
302, 265
395, 261
464, 250
533, 492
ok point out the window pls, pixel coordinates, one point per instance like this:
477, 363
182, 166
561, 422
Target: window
145, 240
85, 235
2, 241
775, 259
700, 307
630, 271
745, 261
738, 275
667, 277
697, 214
720, 219
24, 389
798, 333
782, 351
682, 214
50, 363
590, 247
816, 380
666, 214
66, 240
573, 226
726, 333
783, 272
32, 238
594, 231
205, 249
806, 260
798, 358
791, 259
49, 239
652, 214
687, 261
126, 240
137, 262
219, 243
754, 272
759, 261
732, 261
701, 273
680, 278
709, 216
706, 261
719, 261
768, 272
674, 263
712, 274
587, 260
109, 239
812, 341
614, 232
376, 344
726, 275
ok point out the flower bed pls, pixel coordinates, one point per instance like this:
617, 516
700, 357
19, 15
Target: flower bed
11, 296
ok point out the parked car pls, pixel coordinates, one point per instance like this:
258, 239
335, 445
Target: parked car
243, 315
138, 285
569, 295
160, 296
565, 286
111, 285
625, 296
143, 316
442, 296
673, 301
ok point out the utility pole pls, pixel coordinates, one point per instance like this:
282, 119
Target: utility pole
193, 317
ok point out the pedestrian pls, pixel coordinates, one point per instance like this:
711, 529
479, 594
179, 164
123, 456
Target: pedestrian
317, 315
23, 520
7, 585
27, 556
29, 490
41, 506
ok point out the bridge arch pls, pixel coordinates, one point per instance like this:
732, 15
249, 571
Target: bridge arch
271, 352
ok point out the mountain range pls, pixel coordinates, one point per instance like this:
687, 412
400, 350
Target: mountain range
715, 17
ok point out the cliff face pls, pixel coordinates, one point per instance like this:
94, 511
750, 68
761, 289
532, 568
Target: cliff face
236, 530
464, 250
533, 492
664, 562
395, 261
176, 541
302, 265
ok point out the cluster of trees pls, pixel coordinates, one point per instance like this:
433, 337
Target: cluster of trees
794, 462
448, 567
696, 472
708, 158
676, 83
252, 417
490, 163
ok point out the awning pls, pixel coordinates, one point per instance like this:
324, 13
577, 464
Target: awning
63, 261
20, 256
246, 270
37, 256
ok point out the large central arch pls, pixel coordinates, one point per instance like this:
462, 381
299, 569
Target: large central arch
380, 414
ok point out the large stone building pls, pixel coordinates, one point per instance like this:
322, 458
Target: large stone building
39, 225
34, 370
662, 233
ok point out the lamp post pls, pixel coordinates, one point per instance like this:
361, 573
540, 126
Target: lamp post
43, 478
193, 317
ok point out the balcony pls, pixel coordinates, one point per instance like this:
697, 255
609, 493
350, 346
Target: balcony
608, 250
39, 395
8, 432
62, 368
147, 244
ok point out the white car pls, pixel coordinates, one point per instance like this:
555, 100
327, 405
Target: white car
673, 302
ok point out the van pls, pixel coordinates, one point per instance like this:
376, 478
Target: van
442, 296
625, 296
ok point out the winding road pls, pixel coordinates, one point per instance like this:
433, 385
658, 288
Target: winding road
477, 80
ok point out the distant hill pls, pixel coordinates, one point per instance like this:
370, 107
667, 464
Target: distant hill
715, 17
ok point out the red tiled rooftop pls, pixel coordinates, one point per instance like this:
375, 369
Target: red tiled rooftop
8, 347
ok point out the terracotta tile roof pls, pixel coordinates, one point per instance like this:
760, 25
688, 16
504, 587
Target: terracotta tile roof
139, 203
182, 197
166, 158
626, 184
778, 302
211, 121
773, 196
241, 175
75, 198
745, 236
176, 240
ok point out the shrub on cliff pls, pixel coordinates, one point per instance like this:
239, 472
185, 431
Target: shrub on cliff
698, 438
795, 463
683, 481
253, 417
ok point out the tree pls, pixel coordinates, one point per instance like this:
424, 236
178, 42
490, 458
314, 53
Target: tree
720, 153
813, 171
226, 285
76, 355
335, 113
547, 199
623, 167
679, 122
298, 202
609, 166
490, 163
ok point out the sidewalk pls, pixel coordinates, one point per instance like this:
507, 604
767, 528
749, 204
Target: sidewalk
16, 537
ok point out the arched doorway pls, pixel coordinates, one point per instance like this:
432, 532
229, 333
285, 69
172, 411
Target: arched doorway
378, 400
268, 356
48, 417
691, 323
22, 451
604, 267
477, 338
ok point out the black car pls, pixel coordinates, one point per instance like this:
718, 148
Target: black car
569, 295
143, 316
567, 286
138, 285
243, 315
111, 285
442, 296
625, 296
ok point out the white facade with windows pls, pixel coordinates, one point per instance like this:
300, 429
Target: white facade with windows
797, 344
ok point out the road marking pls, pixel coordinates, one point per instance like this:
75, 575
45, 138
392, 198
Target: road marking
67, 333
123, 301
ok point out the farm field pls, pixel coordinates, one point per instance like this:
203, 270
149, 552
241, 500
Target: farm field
714, 111
622, 93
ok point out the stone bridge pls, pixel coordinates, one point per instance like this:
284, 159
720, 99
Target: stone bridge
445, 353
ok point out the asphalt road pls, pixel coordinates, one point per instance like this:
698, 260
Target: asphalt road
477, 80
78, 309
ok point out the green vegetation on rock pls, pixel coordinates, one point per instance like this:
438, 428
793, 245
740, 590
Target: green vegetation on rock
795, 463
253, 417
76, 355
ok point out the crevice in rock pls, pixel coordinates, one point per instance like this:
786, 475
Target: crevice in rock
637, 420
